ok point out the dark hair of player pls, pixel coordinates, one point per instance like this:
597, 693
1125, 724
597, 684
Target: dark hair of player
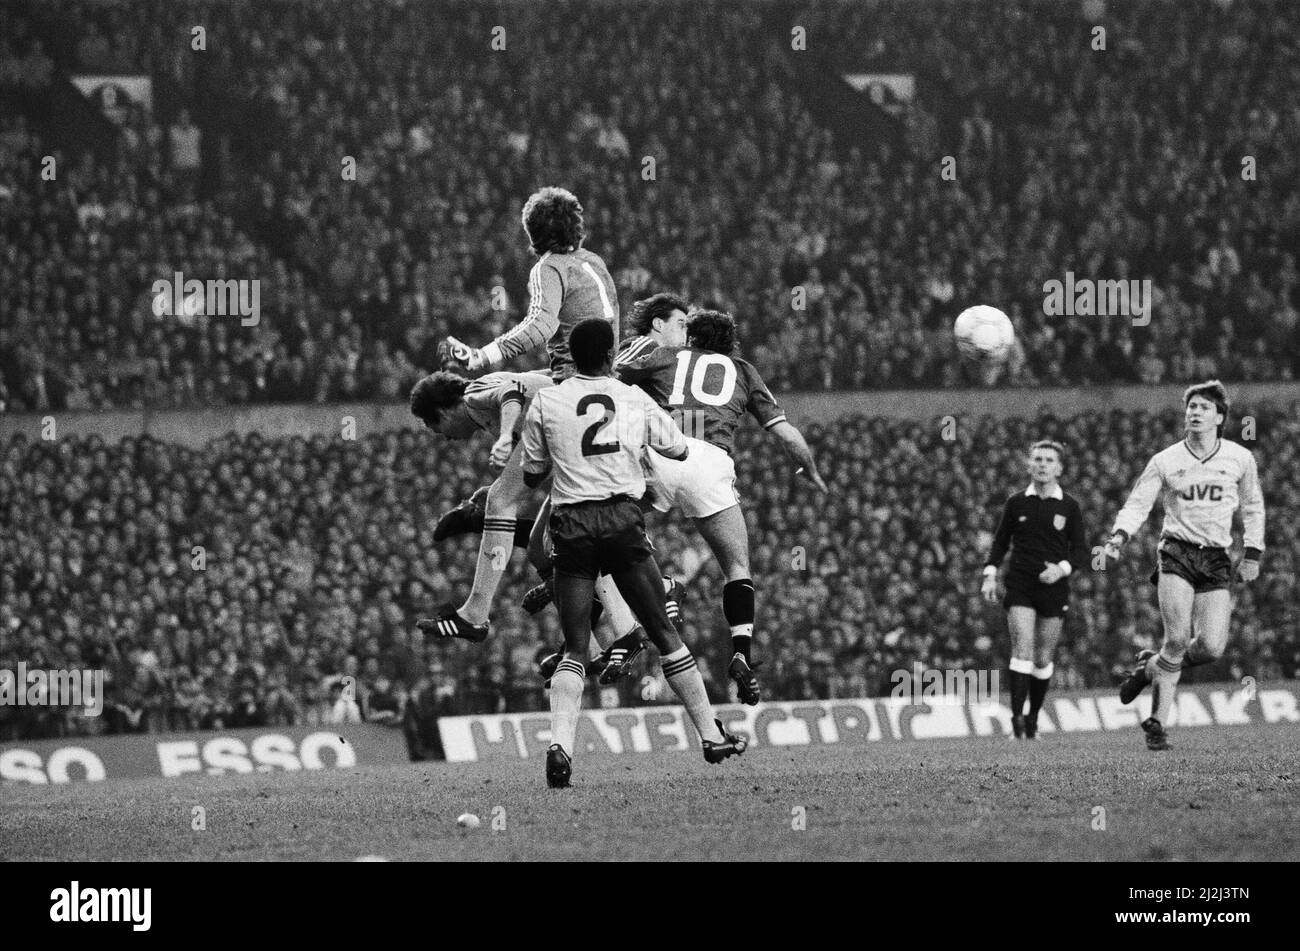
553, 220
435, 394
641, 318
590, 344
1216, 393
1051, 444
711, 330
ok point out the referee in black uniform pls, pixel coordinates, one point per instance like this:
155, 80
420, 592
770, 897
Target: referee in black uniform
1043, 527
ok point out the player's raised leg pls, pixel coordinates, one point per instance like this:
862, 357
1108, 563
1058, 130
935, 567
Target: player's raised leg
629, 638
1177, 597
1021, 623
728, 539
498, 541
1047, 632
468, 517
641, 585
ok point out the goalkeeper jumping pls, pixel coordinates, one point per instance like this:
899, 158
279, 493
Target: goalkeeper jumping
566, 286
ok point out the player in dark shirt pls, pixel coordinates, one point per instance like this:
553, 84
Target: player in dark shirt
1043, 527
655, 321
708, 392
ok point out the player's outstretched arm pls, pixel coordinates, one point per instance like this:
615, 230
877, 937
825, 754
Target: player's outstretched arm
1252, 521
511, 410
796, 447
1136, 509
545, 295
536, 459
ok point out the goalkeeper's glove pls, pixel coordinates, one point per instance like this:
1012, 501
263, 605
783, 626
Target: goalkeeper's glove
463, 355
447, 358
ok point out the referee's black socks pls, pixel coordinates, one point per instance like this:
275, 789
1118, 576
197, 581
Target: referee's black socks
1039, 679
1020, 677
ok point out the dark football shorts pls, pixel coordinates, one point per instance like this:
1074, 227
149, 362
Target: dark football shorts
1204, 568
1047, 600
604, 537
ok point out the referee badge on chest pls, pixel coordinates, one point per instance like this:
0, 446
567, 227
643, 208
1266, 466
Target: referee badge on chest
1058, 522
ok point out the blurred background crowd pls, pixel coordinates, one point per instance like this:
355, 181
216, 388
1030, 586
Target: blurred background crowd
365, 162
272, 582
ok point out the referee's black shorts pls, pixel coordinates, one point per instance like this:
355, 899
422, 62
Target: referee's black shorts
1203, 567
1047, 600
601, 537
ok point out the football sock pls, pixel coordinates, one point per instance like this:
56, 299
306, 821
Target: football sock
1168, 670
566, 700
1020, 677
621, 618
523, 531
1039, 680
738, 609
493, 558
683, 676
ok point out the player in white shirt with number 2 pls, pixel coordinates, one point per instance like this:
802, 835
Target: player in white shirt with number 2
589, 432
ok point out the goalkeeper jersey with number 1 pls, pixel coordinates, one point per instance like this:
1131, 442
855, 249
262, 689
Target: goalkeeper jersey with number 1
563, 290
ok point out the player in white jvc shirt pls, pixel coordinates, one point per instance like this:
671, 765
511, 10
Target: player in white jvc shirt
590, 431
1201, 482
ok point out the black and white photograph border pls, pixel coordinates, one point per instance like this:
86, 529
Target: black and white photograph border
671, 430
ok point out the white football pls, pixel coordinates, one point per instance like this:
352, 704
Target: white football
468, 820
984, 333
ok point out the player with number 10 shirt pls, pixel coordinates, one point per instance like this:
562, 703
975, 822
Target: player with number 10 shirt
708, 392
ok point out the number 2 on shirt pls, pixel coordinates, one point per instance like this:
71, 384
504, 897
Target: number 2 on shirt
589, 445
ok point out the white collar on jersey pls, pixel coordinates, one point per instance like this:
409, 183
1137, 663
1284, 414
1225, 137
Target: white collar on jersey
1057, 493
1218, 444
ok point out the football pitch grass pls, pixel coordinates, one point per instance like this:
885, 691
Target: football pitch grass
1223, 793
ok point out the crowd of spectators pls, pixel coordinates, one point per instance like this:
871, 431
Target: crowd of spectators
262, 581
81, 326
24, 65
843, 264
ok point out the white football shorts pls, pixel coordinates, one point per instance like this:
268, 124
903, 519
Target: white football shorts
702, 484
